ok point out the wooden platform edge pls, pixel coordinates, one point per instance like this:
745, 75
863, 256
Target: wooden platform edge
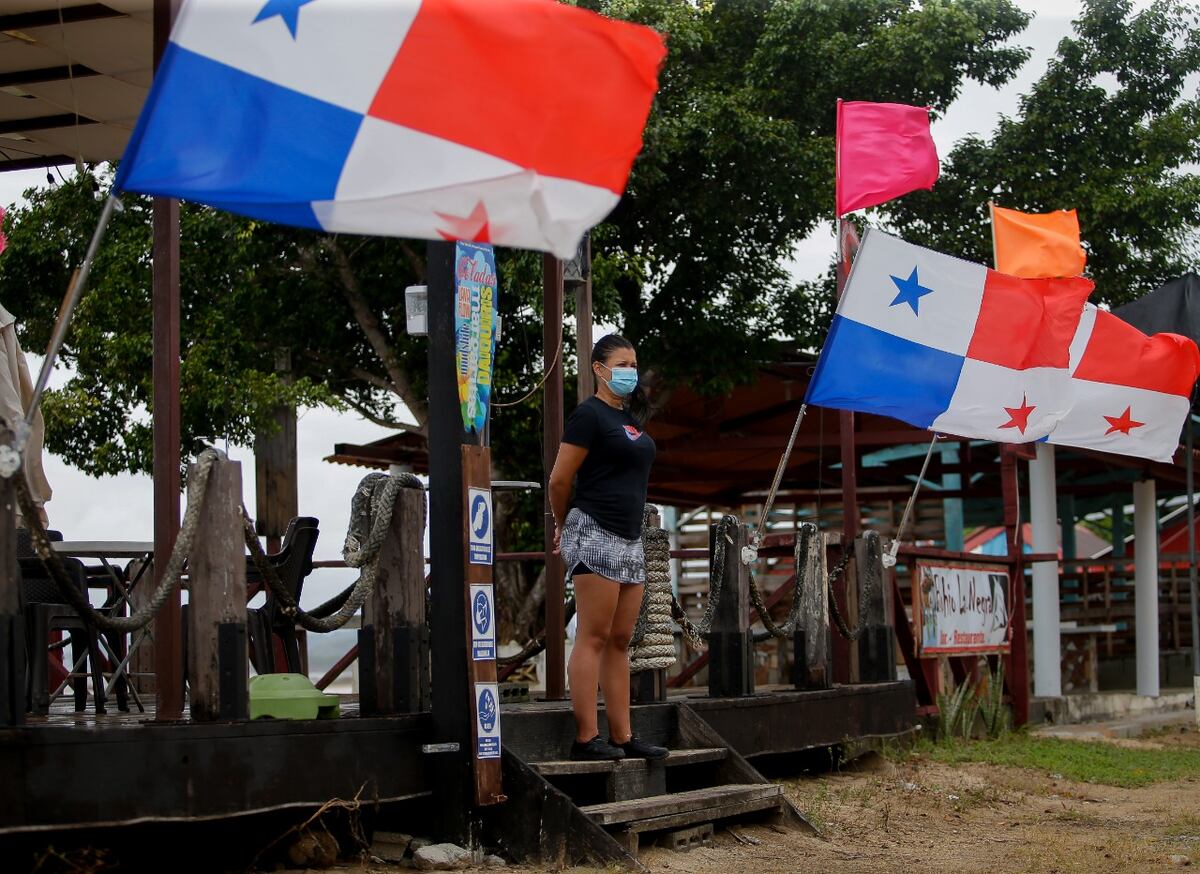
540, 823
735, 768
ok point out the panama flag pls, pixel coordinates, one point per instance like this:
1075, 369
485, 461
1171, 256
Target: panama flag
948, 345
510, 122
1132, 392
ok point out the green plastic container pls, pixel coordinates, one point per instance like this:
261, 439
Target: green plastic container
290, 696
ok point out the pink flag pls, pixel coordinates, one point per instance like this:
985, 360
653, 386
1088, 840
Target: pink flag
884, 150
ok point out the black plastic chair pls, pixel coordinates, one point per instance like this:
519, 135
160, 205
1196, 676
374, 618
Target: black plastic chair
293, 563
46, 613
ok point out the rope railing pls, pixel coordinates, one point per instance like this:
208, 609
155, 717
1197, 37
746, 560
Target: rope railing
197, 491
331, 615
337, 611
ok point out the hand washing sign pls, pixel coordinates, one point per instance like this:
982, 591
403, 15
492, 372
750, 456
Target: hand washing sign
961, 609
487, 721
483, 622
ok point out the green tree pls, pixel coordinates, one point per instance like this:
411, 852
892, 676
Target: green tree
1112, 129
737, 168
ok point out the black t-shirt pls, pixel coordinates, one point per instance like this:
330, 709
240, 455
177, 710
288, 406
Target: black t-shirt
611, 484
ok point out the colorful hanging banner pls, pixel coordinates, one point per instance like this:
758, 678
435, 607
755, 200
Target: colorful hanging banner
475, 330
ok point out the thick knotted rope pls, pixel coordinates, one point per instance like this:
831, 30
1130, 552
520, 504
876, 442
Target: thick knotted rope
653, 644
373, 504
695, 633
197, 489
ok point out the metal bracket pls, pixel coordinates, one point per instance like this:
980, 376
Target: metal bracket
451, 747
749, 555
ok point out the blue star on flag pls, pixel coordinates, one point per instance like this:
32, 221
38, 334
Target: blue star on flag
288, 10
911, 291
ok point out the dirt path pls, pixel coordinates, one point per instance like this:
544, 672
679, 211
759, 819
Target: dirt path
882, 816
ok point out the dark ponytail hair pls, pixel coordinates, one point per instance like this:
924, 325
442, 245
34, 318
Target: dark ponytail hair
637, 404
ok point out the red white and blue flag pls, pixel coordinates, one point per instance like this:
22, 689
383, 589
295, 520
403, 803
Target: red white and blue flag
1131, 392
511, 122
948, 345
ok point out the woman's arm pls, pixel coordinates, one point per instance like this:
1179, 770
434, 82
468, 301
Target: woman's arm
566, 465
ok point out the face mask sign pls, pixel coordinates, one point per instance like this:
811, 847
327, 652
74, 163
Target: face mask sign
624, 380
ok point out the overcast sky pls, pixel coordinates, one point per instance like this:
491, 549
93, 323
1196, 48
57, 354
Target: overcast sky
119, 508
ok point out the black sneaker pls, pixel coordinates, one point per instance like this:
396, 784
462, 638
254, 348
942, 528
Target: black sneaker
636, 748
595, 750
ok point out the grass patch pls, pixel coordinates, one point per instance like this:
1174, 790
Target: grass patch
1086, 762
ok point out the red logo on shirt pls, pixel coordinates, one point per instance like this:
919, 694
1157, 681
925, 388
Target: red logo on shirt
632, 433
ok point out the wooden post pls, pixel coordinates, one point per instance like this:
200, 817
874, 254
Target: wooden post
12, 623
730, 642
485, 695
277, 494
452, 717
649, 687
552, 428
876, 646
811, 667
393, 643
583, 323
1017, 670
218, 667
168, 643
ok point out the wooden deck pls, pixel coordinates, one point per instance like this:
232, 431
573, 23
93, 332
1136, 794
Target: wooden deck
128, 768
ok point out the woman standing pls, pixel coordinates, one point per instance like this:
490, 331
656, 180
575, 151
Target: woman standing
607, 454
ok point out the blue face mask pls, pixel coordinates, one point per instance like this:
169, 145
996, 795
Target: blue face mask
624, 380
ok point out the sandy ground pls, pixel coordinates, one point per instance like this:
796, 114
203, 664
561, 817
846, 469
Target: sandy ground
880, 816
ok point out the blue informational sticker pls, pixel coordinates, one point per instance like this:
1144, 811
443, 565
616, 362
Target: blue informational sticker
479, 521
483, 622
487, 720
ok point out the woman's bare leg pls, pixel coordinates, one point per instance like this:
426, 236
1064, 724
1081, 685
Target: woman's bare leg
614, 663
595, 603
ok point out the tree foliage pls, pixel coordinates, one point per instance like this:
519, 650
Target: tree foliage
1111, 129
737, 168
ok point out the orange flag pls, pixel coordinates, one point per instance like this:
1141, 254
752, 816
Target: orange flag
1037, 245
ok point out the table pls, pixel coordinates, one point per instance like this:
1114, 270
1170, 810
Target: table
1080, 665
119, 593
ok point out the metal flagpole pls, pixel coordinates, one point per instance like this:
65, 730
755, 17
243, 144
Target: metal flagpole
74, 293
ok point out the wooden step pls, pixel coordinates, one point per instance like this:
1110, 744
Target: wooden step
677, 757
683, 808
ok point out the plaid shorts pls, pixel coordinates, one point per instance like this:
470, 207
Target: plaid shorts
607, 554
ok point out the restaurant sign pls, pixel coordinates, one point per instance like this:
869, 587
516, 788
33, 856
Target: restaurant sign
961, 609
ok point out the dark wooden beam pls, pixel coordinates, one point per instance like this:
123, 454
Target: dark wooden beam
17, 78
55, 17
44, 122
38, 163
763, 415
452, 715
552, 428
168, 638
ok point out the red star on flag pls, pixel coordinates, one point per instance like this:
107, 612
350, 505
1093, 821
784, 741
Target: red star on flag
1019, 416
1123, 423
473, 228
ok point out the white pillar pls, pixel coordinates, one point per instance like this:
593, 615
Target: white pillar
1145, 586
1043, 517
